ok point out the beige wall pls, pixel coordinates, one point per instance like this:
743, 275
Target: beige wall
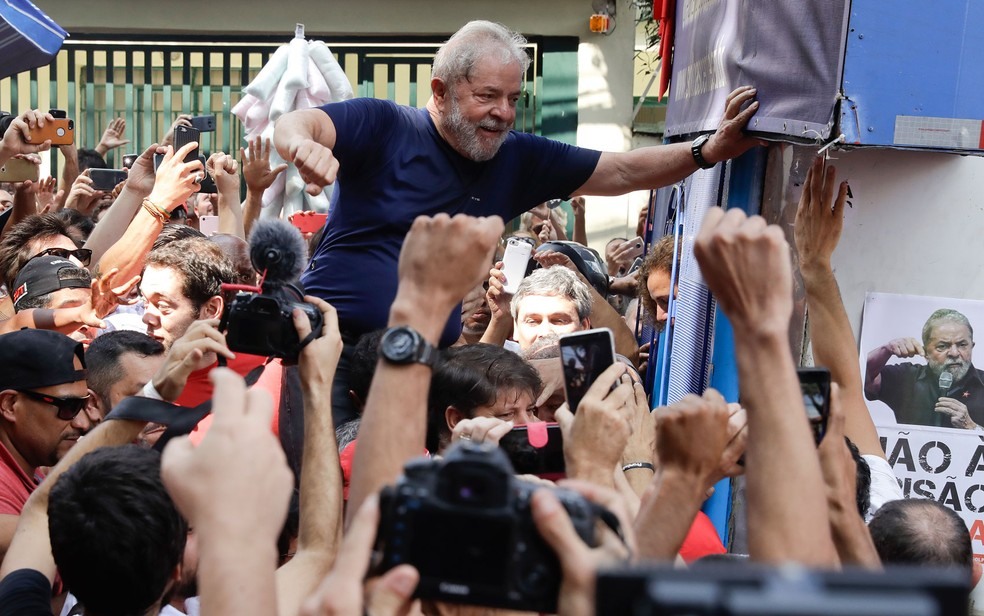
605, 62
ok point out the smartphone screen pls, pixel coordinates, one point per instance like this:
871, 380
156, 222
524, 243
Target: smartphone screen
584, 356
815, 387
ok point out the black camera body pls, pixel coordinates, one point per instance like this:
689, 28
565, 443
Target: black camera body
465, 523
262, 323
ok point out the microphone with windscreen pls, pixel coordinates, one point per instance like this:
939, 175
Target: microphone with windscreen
946, 381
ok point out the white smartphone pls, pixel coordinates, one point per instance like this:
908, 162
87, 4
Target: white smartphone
209, 225
514, 262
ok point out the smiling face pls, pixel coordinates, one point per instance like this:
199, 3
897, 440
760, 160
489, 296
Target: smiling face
480, 109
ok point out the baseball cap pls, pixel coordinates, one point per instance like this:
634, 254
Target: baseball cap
47, 273
34, 358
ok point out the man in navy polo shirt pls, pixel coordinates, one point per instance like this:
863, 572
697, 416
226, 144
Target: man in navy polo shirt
458, 155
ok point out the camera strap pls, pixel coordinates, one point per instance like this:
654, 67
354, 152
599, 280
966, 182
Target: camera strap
178, 419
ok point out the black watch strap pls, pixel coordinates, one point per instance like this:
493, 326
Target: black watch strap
696, 150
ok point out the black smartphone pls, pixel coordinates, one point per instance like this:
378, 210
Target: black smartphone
815, 386
184, 135
106, 179
204, 124
58, 113
584, 356
129, 159
536, 449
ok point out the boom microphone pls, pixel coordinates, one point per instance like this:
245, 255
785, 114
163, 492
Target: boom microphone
277, 248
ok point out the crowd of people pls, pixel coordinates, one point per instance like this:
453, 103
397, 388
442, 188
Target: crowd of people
113, 503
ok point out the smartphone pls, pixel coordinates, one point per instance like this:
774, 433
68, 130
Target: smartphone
536, 449
129, 159
61, 131
184, 135
638, 246
308, 222
19, 170
106, 179
204, 124
815, 387
58, 113
209, 225
514, 262
584, 356
555, 203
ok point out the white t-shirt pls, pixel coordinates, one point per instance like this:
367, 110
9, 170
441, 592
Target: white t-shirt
884, 484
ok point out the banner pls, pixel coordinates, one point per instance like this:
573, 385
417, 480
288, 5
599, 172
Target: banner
926, 398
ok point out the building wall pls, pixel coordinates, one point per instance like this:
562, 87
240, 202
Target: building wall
605, 63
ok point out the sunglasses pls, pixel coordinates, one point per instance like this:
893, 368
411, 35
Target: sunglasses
84, 255
68, 408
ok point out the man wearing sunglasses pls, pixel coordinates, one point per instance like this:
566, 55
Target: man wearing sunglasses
33, 236
42, 390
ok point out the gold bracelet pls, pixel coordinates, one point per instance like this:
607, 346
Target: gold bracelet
154, 211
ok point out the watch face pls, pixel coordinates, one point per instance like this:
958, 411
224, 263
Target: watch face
400, 344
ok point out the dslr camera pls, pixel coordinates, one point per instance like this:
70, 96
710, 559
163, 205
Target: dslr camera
465, 523
258, 320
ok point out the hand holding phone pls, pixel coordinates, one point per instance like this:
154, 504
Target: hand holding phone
204, 124
515, 260
106, 179
584, 356
60, 131
536, 449
815, 387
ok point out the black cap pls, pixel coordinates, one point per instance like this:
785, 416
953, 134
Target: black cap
45, 274
34, 358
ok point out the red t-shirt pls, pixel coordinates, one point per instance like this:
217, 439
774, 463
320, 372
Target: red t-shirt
702, 540
15, 485
200, 388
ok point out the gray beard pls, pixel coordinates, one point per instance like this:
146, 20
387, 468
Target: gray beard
467, 135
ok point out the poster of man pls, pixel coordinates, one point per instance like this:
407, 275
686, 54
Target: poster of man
917, 361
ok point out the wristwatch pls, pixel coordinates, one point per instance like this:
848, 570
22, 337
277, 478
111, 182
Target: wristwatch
695, 150
404, 345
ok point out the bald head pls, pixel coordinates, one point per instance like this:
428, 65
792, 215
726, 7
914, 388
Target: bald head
236, 249
921, 532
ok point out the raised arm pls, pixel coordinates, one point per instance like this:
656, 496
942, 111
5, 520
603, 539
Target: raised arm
320, 525
747, 266
618, 173
225, 171
259, 176
819, 220
305, 138
394, 424
175, 182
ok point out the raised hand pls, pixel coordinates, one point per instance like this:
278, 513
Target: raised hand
256, 165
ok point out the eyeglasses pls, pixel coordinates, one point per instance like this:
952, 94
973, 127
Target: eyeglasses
84, 255
68, 408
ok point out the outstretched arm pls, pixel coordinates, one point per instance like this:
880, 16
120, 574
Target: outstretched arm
620, 172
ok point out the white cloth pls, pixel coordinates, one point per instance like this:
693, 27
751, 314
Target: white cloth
884, 484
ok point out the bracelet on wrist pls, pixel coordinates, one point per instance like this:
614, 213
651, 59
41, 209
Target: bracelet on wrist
156, 211
632, 465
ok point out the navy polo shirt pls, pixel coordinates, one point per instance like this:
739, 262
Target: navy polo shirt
394, 166
911, 391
